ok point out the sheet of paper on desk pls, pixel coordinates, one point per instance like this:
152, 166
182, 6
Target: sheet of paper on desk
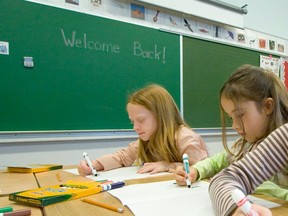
119, 174
167, 198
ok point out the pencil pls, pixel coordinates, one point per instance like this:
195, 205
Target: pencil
58, 176
113, 208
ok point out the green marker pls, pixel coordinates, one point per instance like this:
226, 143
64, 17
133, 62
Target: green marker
6, 209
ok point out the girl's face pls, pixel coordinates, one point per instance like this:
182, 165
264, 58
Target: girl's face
247, 116
143, 120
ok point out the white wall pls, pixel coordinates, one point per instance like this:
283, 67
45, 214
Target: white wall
62, 152
70, 152
267, 16
201, 9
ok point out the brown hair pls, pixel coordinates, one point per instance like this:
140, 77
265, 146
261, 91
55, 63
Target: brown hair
251, 83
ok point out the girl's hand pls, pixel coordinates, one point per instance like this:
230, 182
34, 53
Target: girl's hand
180, 175
261, 211
154, 167
84, 169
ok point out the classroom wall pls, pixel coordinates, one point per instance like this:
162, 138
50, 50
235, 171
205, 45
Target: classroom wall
266, 16
70, 152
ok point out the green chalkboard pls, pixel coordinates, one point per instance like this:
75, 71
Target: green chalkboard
84, 68
206, 66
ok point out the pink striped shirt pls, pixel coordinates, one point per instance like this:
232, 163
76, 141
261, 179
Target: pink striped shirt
270, 157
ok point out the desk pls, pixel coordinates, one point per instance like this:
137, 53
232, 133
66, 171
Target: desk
281, 210
77, 207
34, 211
13, 182
10, 182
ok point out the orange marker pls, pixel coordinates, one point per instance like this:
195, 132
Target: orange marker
113, 208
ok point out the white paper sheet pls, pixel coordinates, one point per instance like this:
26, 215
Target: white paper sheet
167, 198
120, 174
162, 198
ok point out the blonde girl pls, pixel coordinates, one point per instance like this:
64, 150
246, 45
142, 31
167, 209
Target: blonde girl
163, 136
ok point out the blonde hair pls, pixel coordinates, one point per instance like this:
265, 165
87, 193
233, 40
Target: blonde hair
162, 144
255, 84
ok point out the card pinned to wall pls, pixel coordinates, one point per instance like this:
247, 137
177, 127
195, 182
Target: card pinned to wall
96, 3
272, 45
262, 43
137, 11
75, 2
284, 71
4, 48
281, 48
270, 63
241, 38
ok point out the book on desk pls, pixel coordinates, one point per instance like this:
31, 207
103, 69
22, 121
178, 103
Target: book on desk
34, 168
44, 196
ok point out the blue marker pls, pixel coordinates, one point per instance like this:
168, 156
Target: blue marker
186, 167
106, 187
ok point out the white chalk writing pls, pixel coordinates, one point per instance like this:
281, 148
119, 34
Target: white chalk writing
152, 53
85, 43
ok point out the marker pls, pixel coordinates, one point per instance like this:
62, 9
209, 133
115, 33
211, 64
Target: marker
22, 212
6, 209
104, 181
243, 203
93, 202
186, 167
89, 163
106, 187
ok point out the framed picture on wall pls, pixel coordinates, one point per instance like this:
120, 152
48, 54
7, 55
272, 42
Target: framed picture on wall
137, 11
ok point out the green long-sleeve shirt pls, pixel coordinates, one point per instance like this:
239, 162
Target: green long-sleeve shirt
208, 167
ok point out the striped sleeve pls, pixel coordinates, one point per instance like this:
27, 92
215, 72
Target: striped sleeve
270, 157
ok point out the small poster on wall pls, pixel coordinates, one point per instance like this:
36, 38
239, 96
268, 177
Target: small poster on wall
75, 2
4, 48
270, 63
284, 71
137, 11
96, 3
